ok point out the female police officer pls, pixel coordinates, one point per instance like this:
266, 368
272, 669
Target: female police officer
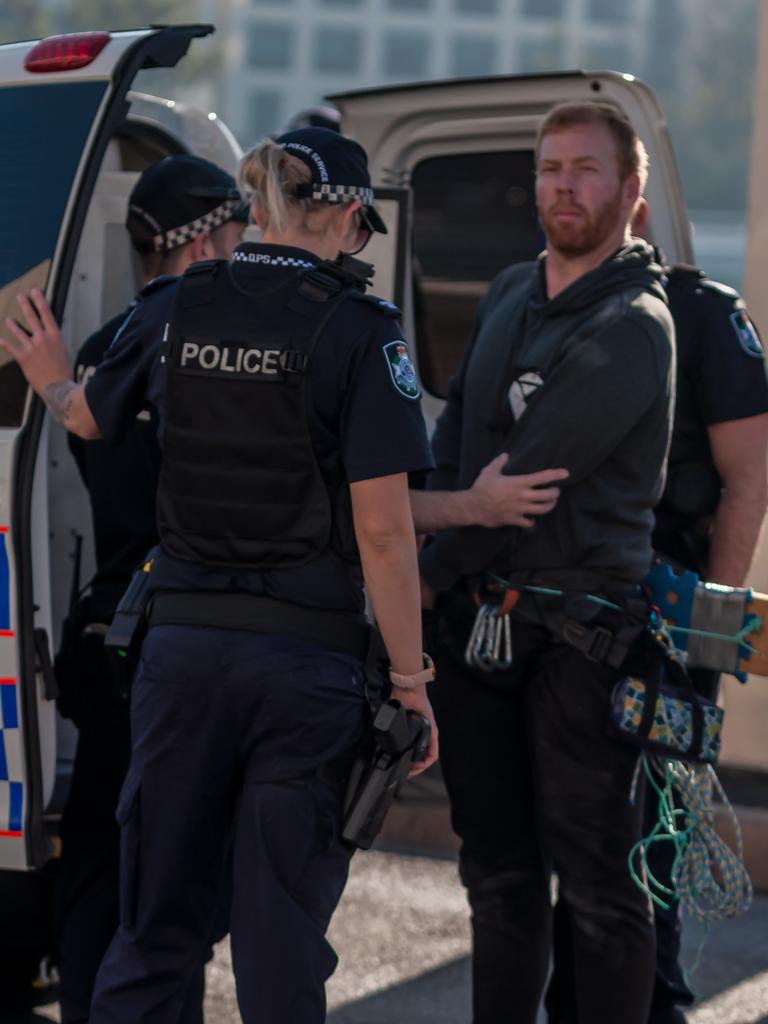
288, 429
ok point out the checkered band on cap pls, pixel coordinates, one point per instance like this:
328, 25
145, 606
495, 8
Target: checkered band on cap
337, 193
186, 232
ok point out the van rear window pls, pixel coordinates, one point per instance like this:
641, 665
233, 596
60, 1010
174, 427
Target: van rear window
473, 214
43, 130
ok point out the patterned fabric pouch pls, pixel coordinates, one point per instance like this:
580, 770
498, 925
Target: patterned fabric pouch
666, 717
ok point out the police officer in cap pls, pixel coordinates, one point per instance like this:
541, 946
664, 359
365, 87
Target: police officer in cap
182, 209
287, 438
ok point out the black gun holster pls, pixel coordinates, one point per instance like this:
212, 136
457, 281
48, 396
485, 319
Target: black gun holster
398, 737
129, 625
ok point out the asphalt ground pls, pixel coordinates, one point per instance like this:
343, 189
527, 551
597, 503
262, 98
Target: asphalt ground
402, 935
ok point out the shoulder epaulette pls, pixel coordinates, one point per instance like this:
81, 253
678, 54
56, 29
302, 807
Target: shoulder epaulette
156, 284
720, 289
383, 306
685, 274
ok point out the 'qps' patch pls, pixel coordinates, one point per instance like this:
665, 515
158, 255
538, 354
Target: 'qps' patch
401, 369
746, 333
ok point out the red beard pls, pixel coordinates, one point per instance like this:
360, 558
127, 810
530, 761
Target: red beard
584, 233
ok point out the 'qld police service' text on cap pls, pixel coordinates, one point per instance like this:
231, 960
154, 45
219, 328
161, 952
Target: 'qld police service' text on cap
339, 169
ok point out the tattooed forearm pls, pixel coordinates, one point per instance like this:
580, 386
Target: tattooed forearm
58, 397
68, 404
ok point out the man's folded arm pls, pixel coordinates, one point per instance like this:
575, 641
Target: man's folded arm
593, 398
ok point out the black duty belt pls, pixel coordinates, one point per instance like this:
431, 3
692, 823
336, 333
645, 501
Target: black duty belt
257, 614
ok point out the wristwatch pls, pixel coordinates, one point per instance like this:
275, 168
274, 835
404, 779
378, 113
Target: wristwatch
426, 675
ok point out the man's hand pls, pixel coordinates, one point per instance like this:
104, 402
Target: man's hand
39, 349
502, 500
417, 700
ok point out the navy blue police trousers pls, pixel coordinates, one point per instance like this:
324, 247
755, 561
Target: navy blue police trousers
88, 878
229, 730
536, 786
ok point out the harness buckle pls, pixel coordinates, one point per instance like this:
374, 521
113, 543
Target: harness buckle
595, 643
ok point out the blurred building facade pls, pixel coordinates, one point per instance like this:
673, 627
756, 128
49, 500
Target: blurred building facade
289, 54
271, 58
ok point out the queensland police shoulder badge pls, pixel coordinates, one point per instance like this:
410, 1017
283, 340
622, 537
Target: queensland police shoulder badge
746, 333
401, 368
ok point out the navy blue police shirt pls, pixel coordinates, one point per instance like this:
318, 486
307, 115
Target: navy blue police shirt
129, 379
365, 422
721, 376
121, 481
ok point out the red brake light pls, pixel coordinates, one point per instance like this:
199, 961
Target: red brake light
65, 53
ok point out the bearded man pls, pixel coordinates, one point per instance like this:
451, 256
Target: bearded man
571, 365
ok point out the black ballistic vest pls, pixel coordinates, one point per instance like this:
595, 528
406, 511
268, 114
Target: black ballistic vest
693, 484
240, 483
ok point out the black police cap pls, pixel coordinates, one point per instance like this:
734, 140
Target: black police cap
179, 198
339, 169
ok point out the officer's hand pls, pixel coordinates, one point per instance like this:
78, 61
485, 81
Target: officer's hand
417, 700
39, 349
502, 500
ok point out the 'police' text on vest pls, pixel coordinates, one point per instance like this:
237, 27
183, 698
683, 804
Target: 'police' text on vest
230, 359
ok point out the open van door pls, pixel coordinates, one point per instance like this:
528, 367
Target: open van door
465, 148
61, 100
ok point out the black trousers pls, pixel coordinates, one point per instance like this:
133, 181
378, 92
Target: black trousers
536, 785
671, 989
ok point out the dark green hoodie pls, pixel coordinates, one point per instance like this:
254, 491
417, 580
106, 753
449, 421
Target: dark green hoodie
582, 381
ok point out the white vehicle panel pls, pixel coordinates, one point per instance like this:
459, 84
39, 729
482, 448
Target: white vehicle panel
84, 263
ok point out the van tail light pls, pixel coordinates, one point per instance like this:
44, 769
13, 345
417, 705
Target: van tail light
65, 53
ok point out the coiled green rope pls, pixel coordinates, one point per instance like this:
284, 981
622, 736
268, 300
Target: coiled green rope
708, 877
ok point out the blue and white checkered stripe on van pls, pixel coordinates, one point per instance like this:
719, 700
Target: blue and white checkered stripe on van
11, 773
11, 785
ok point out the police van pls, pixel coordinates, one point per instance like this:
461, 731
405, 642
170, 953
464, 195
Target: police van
453, 164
